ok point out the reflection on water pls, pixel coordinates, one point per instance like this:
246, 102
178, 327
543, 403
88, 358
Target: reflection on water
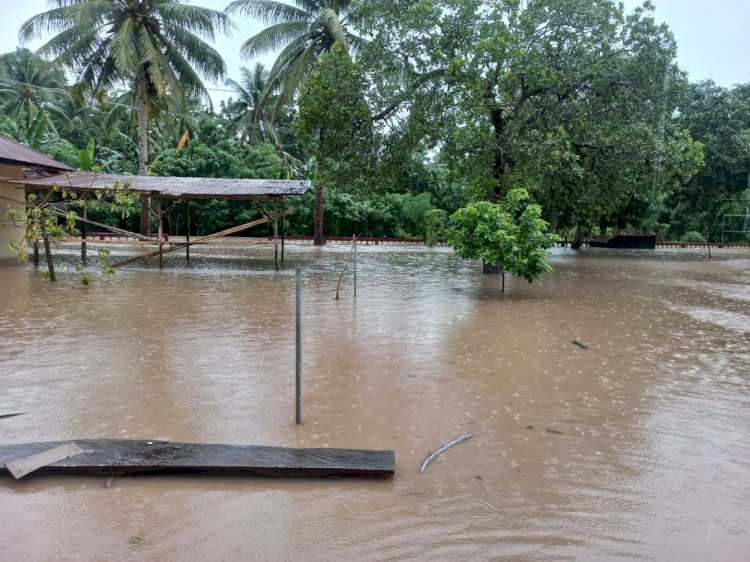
635, 448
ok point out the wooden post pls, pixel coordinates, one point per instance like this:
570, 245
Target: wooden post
36, 254
355, 266
276, 233
298, 347
83, 236
160, 233
187, 248
283, 231
502, 290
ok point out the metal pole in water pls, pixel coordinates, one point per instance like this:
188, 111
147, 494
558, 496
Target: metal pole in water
298, 347
355, 266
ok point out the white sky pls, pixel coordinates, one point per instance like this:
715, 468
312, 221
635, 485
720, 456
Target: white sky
713, 36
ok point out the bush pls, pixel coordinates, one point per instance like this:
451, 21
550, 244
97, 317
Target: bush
435, 225
693, 236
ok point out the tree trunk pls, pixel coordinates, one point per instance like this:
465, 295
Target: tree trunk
491, 268
319, 237
48, 254
500, 164
578, 240
143, 147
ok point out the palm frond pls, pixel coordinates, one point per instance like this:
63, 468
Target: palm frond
203, 22
273, 38
329, 25
268, 12
205, 58
295, 75
126, 58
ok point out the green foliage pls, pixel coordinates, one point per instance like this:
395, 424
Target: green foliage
45, 220
693, 236
414, 210
436, 221
333, 120
33, 92
212, 154
154, 47
720, 119
86, 157
573, 99
301, 33
510, 233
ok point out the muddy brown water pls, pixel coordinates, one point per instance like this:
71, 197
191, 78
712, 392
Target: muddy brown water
638, 448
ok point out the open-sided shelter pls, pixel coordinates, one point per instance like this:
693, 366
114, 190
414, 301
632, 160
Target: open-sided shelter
159, 190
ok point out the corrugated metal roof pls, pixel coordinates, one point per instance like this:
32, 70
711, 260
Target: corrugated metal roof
14, 153
173, 187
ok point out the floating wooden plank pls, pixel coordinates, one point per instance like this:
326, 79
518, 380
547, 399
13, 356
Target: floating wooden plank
115, 457
21, 467
4, 416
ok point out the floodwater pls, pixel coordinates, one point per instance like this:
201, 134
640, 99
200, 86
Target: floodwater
637, 448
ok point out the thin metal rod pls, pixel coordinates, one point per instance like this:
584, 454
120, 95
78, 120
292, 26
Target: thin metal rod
355, 266
298, 348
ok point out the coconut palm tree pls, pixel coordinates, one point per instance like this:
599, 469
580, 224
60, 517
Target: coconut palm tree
252, 119
35, 90
154, 46
303, 32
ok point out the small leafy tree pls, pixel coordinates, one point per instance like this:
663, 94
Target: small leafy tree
510, 233
333, 124
41, 222
435, 222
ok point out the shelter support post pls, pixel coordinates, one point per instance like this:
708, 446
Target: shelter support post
83, 236
160, 232
276, 233
283, 231
187, 239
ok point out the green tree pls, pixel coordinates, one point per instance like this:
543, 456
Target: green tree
333, 124
562, 96
35, 92
720, 119
252, 121
510, 233
153, 45
303, 32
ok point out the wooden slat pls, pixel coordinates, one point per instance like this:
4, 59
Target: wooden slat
21, 467
175, 247
114, 457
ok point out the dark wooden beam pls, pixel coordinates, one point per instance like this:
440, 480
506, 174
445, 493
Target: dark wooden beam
115, 457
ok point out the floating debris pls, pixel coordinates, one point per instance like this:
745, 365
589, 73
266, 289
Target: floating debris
555, 431
3, 416
579, 344
431, 457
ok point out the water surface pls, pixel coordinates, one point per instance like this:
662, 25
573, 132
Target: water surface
637, 448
